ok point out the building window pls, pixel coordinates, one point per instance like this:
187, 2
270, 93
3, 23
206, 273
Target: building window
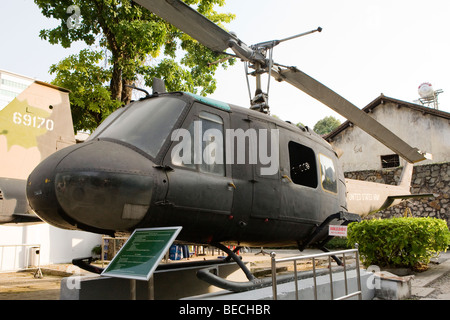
302, 165
390, 161
14, 84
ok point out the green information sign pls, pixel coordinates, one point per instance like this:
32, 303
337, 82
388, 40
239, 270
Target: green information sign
142, 253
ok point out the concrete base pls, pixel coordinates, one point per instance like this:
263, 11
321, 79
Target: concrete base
393, 287
168, 285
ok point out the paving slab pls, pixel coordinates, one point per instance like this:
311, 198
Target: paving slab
422, 279
423, 284
421, 292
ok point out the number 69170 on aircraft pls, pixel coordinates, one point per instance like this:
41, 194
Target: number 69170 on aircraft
226, 174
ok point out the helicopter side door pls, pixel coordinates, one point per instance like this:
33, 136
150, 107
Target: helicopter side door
266, 173
200, 180
300, 198
332, 185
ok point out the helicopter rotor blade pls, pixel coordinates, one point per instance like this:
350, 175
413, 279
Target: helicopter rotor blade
345, 108
198, 27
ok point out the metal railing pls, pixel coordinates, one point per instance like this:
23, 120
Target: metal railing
347, 295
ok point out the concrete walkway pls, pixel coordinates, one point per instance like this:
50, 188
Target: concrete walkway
434, 283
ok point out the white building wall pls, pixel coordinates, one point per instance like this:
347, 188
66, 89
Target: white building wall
57, 245
426, 132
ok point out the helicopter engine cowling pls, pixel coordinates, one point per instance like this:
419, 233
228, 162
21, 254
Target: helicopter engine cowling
97, 186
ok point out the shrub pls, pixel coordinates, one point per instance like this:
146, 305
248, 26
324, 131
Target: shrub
338, 244
399, 242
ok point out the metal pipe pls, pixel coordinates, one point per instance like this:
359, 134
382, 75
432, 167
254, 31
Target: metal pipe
274, 275
345, 275
296, 280
151, 288
349, 295
358, 271
132, 289
314, 277
318, 255
319, 29
331, 278
238, 260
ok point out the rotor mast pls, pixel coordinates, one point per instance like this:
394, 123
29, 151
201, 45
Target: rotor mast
260, 100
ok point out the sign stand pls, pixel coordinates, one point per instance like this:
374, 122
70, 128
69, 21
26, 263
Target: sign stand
151, 288
132, 289
140, 256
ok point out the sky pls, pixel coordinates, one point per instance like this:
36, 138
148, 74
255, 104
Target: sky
366, 48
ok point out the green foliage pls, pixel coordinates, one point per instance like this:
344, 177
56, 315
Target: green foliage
338, 243
90, 98
137, 43
399, 242
326, 125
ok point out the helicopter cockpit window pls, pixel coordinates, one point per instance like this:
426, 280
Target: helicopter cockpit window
145, 124
327, 174
207, 129
302, 165
106, 122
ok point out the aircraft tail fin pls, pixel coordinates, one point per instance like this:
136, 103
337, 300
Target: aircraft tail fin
33, 125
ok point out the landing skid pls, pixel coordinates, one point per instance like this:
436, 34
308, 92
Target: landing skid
320, 229
253, 283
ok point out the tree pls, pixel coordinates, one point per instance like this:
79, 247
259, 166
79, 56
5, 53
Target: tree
90, 98
326, 125
133, 38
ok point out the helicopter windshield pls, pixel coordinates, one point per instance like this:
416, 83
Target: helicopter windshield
144, 124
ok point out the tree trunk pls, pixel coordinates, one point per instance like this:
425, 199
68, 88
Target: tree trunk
116, 83
126, 91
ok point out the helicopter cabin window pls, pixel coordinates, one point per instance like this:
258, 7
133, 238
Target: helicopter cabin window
203, 147
302, 163
390, 161
327, 174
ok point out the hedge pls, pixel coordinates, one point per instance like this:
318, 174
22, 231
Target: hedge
399, 242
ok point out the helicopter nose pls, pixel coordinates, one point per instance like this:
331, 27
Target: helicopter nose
97, 186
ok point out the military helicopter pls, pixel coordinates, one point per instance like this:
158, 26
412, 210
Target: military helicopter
226, 174
33, 125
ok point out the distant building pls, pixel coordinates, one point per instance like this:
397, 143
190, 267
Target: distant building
424, 128
428, 129
11, 85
